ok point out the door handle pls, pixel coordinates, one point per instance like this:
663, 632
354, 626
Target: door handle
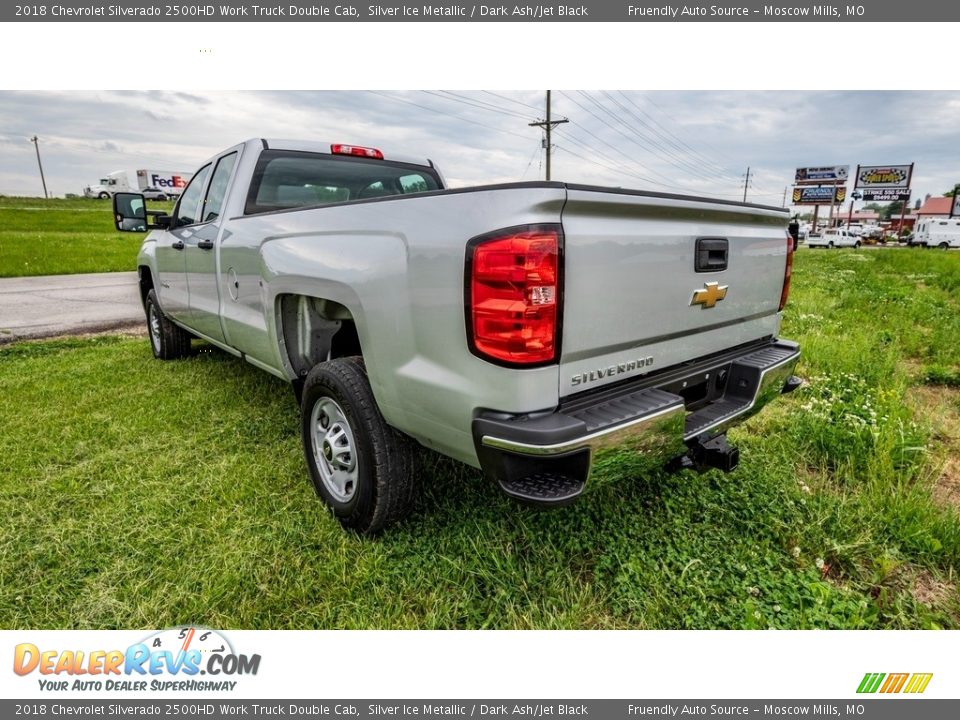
712, 254
205, 244
178, 245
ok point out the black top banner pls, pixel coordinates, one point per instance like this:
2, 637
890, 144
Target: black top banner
445, 11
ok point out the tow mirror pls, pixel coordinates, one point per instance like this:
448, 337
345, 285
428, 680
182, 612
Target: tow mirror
129, 212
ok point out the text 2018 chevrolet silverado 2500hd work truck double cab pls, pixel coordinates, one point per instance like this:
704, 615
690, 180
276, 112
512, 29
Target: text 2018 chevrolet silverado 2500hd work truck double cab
524, 329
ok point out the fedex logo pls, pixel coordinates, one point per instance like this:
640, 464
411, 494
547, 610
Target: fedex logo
167, 181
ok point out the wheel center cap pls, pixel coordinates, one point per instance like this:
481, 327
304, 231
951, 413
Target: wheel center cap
327, 450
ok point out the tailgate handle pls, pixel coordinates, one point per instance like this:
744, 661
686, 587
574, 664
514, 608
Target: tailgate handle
711, 255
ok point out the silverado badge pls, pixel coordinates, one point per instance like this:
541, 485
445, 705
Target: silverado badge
711, 294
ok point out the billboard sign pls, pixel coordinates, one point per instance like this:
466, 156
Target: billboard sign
886, 195
871, 177
819, 195
822, 175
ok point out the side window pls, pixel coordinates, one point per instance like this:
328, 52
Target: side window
413, 184
218, 187
188, 209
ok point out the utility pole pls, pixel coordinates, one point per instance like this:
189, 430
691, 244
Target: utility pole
36, 145
746, 184
548, 126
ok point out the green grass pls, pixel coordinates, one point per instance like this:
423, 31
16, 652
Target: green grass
137, 493
60, 237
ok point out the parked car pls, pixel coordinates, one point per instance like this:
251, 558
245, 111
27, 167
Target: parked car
528, 329
835, 237
152, 193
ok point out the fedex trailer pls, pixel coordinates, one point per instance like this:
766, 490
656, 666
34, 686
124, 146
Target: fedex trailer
170, 182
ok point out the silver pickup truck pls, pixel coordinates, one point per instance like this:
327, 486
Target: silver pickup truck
525, 329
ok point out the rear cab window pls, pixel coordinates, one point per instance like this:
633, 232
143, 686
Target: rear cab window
286, 179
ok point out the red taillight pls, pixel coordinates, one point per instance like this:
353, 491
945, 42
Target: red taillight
356, 150
787, 272
513, 288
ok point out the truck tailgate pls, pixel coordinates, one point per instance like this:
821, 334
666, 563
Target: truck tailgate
630, 281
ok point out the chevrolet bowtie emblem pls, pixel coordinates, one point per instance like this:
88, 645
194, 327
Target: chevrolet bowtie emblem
711, 294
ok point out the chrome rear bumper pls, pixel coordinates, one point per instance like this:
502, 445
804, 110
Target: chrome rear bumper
658, 417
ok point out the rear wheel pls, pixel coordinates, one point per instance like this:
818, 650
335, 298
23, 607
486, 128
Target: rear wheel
359, 465
943, 246
830, 245
856, 245
104, 196
167, 340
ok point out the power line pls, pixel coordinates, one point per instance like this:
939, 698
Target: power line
615, 163
615, 149
680, 143
475, 103
619, 169
533, 155
630, 137
657, 148
671, 117
504, 97
443, 112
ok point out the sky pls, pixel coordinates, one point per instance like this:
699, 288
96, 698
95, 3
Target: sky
698, 142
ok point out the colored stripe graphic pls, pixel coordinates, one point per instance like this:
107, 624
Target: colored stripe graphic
870, 682
918, 683
894, 683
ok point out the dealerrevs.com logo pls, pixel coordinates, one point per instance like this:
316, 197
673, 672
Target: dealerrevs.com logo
168, 660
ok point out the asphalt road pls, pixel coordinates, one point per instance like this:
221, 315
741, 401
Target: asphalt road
35, 307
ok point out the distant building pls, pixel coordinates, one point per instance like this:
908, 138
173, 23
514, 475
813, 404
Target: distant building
909, 220
935, 207
867, 217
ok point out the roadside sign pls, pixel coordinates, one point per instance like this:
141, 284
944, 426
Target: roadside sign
886, 195
819, 195
872, 177
822, 175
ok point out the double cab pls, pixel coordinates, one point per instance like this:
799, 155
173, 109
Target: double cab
528, 329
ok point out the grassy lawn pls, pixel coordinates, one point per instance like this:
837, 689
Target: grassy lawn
137, 493
60, 237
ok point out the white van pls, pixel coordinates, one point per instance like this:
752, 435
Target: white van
834, 237
938, 232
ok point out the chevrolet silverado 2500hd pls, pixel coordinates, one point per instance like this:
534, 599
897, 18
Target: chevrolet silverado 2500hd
526, 329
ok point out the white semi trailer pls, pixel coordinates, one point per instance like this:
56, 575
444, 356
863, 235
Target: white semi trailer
169, 182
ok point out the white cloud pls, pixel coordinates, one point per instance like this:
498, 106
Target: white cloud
696, 142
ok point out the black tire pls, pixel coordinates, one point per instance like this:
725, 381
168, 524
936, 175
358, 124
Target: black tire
856, 245
103, 196
381, 488
944, 246
830, 245
167, 340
